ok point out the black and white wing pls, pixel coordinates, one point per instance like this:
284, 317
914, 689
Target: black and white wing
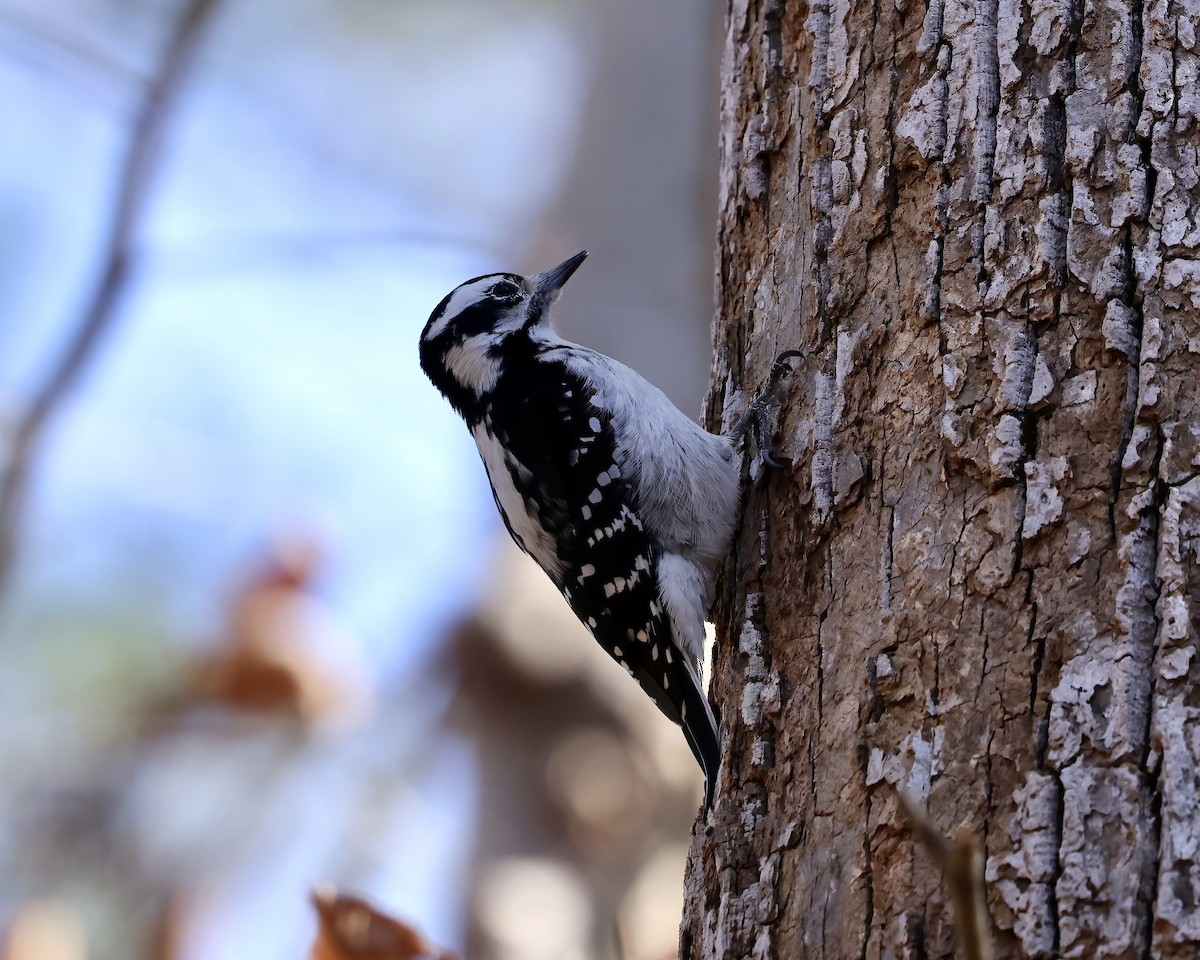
551, 458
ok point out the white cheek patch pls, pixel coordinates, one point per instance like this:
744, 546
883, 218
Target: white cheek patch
471, 365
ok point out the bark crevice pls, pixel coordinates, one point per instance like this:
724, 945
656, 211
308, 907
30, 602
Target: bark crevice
1006, 625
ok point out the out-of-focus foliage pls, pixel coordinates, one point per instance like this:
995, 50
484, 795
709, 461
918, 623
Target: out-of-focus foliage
233, 640
349, 928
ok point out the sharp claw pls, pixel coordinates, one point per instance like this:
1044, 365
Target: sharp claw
774, 464
762, 428
756, 416
780, 367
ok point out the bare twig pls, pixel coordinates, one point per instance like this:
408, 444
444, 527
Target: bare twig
962, 865
101, 306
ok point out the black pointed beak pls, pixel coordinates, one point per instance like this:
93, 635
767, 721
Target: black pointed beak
548, 284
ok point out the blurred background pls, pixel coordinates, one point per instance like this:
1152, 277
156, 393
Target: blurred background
260, 623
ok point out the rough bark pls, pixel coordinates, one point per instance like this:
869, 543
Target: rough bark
980, 581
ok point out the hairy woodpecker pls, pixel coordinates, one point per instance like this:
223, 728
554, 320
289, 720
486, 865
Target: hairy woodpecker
624, 501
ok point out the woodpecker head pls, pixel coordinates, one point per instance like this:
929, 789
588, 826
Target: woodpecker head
467, 333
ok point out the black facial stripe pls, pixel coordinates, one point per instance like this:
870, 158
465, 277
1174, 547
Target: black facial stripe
475, 319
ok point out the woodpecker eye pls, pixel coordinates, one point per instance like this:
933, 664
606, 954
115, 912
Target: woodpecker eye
504, 290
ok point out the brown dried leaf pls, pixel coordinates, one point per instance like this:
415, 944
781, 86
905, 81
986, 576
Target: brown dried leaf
351, 929
275, 657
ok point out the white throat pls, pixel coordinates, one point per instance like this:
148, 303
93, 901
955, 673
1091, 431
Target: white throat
472, 366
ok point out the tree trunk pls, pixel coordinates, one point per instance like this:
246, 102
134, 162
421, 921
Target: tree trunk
980, 580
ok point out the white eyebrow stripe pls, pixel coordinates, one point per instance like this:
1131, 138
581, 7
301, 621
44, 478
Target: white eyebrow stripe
460, 299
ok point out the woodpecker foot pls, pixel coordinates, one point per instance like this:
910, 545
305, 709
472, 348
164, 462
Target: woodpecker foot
757, 418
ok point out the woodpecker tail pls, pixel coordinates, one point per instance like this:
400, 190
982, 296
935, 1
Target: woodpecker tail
700, 729
680, 696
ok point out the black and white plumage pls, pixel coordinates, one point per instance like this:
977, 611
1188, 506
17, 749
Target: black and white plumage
625, 502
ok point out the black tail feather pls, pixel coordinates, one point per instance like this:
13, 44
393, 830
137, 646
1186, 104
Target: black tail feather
700, 730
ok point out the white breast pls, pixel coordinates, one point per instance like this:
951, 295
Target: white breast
528, 531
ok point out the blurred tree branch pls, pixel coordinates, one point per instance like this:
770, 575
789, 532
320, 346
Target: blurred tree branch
100, 308
961, 862
39, 39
